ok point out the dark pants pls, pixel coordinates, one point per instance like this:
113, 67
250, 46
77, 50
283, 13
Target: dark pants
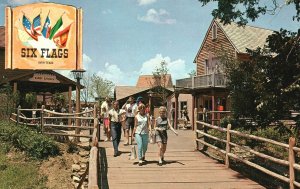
116, 135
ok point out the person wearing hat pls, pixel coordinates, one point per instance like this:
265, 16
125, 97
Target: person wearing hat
130, 108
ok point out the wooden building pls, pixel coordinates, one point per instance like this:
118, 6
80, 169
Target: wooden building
43, 82
208, 87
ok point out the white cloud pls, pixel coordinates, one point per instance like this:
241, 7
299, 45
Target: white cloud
107, 11
86, 60
158, 17
146, 2
113, 73
22, 2
177, 68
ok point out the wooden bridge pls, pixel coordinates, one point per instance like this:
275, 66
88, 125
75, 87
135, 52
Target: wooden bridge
184, 168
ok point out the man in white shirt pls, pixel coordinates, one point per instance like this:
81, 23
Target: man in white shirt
115, 126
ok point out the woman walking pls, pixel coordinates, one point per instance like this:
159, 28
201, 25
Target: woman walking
161, 125
141, 132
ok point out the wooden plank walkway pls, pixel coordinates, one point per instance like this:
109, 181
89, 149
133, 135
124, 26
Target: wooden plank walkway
184, 168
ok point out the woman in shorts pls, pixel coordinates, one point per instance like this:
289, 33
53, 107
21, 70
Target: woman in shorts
161, 125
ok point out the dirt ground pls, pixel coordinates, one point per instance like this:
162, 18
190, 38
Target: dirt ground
59, 169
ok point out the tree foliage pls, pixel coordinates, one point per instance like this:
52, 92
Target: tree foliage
101, 87
242, 10
267, 87
160, 79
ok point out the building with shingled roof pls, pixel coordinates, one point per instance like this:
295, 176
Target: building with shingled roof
208, 87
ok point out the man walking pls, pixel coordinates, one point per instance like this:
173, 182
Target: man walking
115, 127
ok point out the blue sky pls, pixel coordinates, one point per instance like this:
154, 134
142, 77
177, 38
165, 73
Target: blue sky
123, 39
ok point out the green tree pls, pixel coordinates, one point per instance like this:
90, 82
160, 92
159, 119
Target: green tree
242, 10
101, 87
160, 79
192, 73
86, 92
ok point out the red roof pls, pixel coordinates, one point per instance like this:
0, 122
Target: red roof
149, 81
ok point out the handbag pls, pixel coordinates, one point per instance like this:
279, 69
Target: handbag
133, 153
152, 138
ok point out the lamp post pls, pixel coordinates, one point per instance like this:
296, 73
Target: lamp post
78, 75
150, 94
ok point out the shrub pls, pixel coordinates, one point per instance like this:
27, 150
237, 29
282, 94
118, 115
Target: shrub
36, 145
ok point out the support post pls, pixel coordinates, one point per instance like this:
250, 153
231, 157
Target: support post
176, 111
77, 130
15, 87
195, 128
227, 146
292, 143
193, 108
42, 119
213, 108
18, 114
70, 104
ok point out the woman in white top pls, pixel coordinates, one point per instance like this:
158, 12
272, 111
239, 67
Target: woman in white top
141, 132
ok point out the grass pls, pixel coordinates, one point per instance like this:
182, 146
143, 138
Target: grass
17, 172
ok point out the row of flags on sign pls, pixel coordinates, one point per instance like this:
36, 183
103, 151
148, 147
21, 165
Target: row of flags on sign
35, 29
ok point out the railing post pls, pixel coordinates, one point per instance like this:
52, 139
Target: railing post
292, 161
18, 114
196, 128
213, 79
42, 119
193, 81
227, 146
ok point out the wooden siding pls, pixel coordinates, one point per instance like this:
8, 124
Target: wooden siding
209, 45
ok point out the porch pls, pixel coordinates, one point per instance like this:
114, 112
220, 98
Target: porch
203, 81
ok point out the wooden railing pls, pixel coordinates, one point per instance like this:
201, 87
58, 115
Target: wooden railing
202, 128
203, 81
48, 119
60, 121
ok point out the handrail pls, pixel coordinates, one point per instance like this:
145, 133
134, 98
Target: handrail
93, 165
290, 147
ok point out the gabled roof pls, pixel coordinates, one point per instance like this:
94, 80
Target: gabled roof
2, 37
125, 91
149, 81
249, 37
241, 37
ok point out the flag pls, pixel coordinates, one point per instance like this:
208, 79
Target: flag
46, 28
61, 37
27, 27
55, 28
36, 26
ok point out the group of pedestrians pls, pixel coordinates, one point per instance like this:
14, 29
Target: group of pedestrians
137, 125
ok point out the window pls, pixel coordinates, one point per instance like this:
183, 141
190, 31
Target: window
214, 32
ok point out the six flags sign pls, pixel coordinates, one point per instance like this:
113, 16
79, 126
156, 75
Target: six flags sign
43, 36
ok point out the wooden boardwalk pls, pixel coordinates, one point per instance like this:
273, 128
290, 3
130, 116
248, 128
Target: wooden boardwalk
184, 168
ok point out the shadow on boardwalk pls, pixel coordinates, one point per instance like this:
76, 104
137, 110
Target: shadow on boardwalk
102, 177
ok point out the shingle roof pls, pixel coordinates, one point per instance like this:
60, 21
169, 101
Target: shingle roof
125, 91
245, 37
2, 37
148, 81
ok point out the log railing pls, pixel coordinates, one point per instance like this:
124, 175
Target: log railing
202, 127
60, 121
47, 121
